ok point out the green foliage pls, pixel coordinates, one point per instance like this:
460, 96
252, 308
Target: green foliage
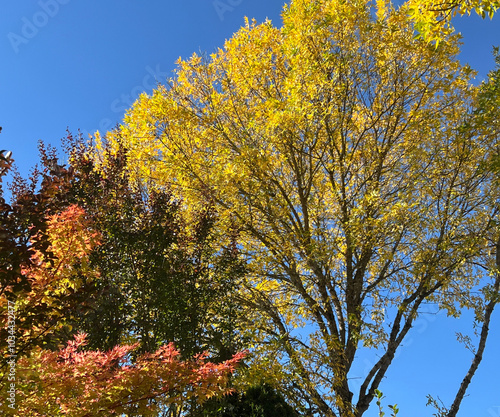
162, 279
394, 408
258, 401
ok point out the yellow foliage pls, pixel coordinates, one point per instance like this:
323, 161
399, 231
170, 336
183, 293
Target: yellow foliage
341, 146
432, 18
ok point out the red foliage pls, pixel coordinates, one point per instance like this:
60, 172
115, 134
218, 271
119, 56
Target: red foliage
76, 382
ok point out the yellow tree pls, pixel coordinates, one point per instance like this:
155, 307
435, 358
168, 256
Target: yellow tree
345, 151
433, 17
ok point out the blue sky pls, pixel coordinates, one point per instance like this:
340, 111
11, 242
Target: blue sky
79, 64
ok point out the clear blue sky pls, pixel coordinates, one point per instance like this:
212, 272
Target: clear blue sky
79, 64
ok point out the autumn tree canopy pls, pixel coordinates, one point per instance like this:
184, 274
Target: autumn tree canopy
57, 250
306, 191
356, 162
